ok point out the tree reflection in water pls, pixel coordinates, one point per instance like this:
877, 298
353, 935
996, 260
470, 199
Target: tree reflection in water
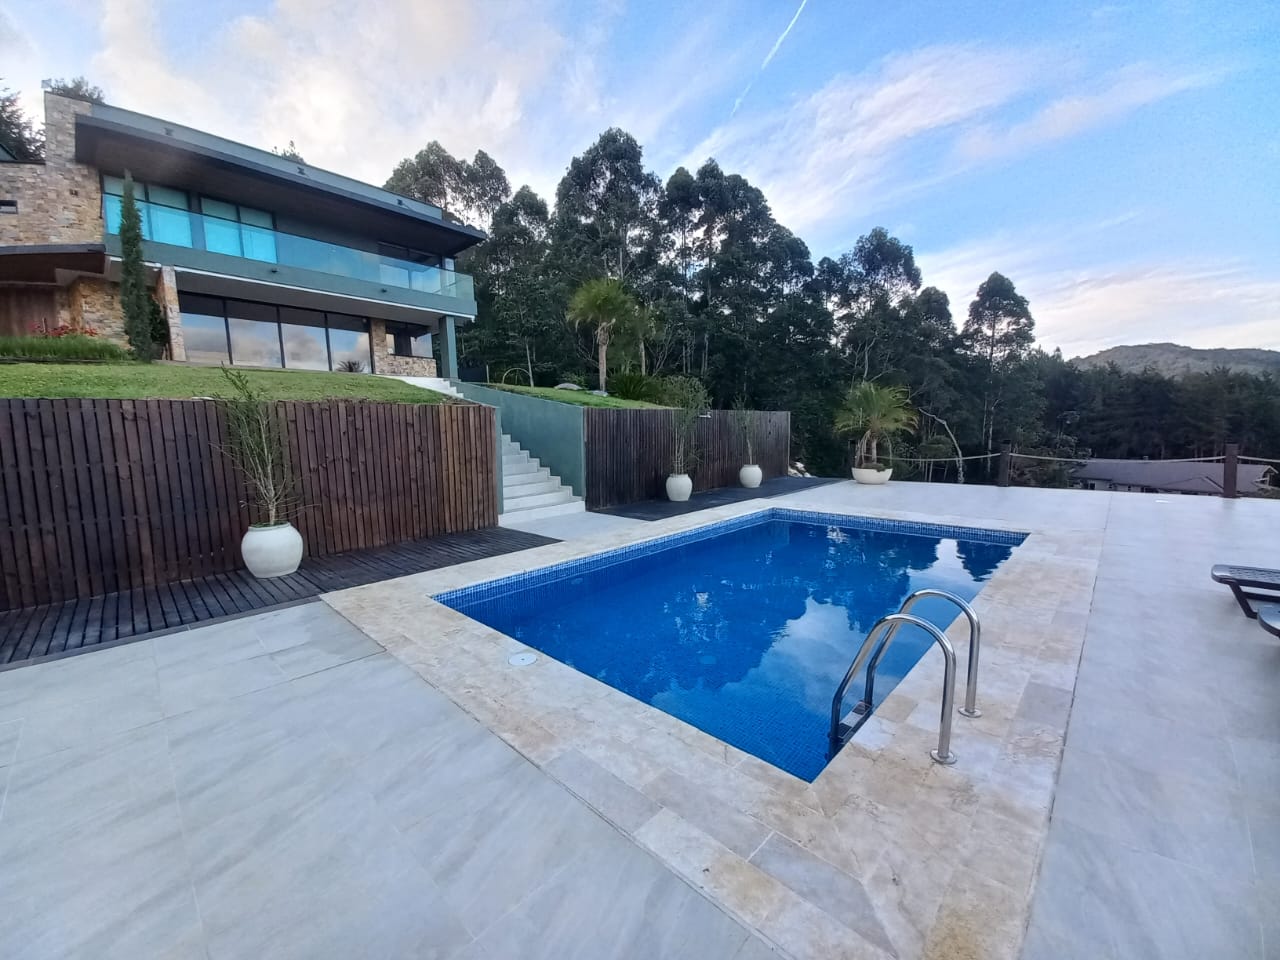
746, 635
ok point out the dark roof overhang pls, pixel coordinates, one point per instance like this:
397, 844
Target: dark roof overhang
115, 140
51, 263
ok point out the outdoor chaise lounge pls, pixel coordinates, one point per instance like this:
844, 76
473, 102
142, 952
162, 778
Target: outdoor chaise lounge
1245, 582
1269, 617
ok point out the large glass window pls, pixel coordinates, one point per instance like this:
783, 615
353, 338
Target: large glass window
261, 335
164, 214
407, 340
406, 267
349, 342
238, 231
204, 329
255, 334
306, 346
221, 227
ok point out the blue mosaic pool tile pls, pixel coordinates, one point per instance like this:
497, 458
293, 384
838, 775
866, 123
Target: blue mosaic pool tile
480, 592
1009, 538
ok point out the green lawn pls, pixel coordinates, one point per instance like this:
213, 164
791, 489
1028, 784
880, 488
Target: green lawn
582, 398
132, 381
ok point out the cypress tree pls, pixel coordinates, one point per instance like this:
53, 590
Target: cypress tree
135, 301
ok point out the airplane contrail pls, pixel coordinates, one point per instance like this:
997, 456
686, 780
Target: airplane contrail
768, 57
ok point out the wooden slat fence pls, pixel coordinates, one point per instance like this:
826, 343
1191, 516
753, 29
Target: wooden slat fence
98, 496
628, 452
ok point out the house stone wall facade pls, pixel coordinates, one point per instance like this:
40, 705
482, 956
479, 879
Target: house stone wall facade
95, 305
59, 201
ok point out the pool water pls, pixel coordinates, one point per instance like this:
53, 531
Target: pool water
744, 633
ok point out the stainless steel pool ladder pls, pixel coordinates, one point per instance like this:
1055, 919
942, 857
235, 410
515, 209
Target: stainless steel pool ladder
970, 708
840, 732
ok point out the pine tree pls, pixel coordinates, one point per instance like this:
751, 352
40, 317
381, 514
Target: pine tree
135, 301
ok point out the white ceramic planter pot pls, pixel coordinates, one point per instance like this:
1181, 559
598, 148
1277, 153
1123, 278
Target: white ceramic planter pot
867, 475
272, 551
679, 487
750, 476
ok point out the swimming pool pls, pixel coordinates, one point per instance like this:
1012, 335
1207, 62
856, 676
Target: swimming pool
743, 628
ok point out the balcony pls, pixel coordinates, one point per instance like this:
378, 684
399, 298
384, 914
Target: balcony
183, 238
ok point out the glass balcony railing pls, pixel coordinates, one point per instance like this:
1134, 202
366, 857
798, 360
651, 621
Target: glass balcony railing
183, 228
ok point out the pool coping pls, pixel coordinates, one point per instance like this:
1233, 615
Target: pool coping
862, 861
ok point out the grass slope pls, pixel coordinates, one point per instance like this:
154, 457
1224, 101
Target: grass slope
134, 381
581, 398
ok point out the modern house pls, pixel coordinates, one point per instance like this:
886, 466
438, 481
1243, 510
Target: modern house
256, 259
1165, 476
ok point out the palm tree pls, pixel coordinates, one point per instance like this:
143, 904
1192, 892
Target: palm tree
874, 413
601, 305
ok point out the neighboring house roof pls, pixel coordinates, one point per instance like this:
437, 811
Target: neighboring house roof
1172, 476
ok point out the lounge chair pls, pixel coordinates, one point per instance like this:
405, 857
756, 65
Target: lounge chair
1269, 617
1245, 582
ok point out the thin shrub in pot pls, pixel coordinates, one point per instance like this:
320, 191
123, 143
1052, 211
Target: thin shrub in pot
689, 399
272, 547
743, 420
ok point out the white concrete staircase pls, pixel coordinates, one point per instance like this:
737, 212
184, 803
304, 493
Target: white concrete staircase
438, 384
530, 490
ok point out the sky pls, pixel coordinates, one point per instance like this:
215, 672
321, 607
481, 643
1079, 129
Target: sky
1120, 162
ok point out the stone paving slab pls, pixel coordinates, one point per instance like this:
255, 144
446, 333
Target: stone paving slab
279, 786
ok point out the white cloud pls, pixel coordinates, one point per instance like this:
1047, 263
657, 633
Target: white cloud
1085, 308
1199, 304
1133, 87
835, 150
359, 93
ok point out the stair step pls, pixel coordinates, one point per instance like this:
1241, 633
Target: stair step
520, 491
537, 513
541, 475
438, 384
517, 503
522, 465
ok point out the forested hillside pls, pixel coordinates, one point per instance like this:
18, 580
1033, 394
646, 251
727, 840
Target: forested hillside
732, 297
1174, 360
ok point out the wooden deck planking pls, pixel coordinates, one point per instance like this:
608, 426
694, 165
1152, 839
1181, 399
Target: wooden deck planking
53, 629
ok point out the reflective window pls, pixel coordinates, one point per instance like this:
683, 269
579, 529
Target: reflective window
238, 231
255, 335
221, 229
169, 225
204, 329
164, 214
349, 341
305, 343
311, 340
407, 267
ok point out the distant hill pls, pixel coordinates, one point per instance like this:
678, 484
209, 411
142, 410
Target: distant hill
1174, 360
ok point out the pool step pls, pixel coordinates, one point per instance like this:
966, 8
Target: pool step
530, 490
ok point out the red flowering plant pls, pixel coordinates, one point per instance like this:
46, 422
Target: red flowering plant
62, 330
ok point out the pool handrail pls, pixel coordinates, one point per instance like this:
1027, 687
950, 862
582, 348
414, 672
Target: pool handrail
941, 755
970, 708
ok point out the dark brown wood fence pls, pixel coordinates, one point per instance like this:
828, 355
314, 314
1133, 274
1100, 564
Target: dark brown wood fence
628, 452
105, 495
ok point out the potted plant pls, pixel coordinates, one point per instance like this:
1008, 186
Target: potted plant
272, 546
873, 413
689, 398
750, 474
